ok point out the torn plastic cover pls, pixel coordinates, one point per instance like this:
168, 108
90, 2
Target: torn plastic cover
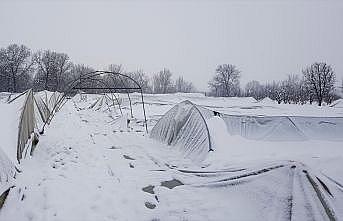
184, 127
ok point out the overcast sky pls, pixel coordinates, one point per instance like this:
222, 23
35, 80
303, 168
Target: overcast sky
266, 40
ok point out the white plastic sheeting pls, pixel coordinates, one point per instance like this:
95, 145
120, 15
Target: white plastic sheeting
42, 109
184, 127
105, 102
284, 128
27, 124
20, 128
271, 191
46, 104
281, 128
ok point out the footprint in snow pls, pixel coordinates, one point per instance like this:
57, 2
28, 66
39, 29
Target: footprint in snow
114, 148
128, 157
150, 205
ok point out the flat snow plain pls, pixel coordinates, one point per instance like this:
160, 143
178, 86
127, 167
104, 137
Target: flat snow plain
89, 166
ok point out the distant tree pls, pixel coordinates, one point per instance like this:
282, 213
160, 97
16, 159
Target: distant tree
4, 76
116, 68
162, 82
273, 91
183, 86
53, 70
226, 81
142, 79
63, 75
16, 67
116, 80
291, 88
78, 71
320, 78
255, 89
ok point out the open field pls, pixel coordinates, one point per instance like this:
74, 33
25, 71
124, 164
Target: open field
89, 165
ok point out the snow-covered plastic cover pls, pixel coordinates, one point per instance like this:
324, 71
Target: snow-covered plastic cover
184, 127
27, 123
47, 103
281, 128
285, 128
102, 102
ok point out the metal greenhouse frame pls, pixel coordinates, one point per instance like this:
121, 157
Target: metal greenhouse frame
118, 83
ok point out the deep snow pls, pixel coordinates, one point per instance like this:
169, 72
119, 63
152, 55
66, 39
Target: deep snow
89, 166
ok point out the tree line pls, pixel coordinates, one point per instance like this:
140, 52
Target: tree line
21, 68
315, 84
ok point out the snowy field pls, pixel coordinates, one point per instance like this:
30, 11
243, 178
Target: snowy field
89, 166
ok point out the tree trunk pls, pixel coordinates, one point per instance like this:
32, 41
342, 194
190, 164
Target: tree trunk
14, 83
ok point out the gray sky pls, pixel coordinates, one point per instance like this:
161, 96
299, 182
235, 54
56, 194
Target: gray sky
266, 40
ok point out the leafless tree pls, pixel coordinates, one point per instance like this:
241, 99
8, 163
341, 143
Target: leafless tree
78, 71
184, 86
16, 66
273, 91
162, 82
255, 89
116, 68
226, 81
142, 79
321, 79
53, 70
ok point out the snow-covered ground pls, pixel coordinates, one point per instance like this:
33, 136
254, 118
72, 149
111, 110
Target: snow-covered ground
89, 166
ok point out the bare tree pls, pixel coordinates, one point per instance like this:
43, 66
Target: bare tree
273, 91
4, 76
16, 66
78, 71
116, 68
142, 79
255, 89
53, 70
183, 86
320, 78
226, 81
64, 66
162, 82
291, 89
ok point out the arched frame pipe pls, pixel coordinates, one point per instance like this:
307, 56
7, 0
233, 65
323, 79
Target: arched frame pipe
128, 94
77, 82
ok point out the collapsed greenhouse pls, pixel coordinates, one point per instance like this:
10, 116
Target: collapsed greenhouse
32, 112
28, 113
185, 126
188, 128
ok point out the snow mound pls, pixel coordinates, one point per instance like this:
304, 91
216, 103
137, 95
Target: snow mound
267, 101
337, 104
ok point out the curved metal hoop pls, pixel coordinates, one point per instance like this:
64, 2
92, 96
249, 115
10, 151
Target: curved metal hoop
91, 77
